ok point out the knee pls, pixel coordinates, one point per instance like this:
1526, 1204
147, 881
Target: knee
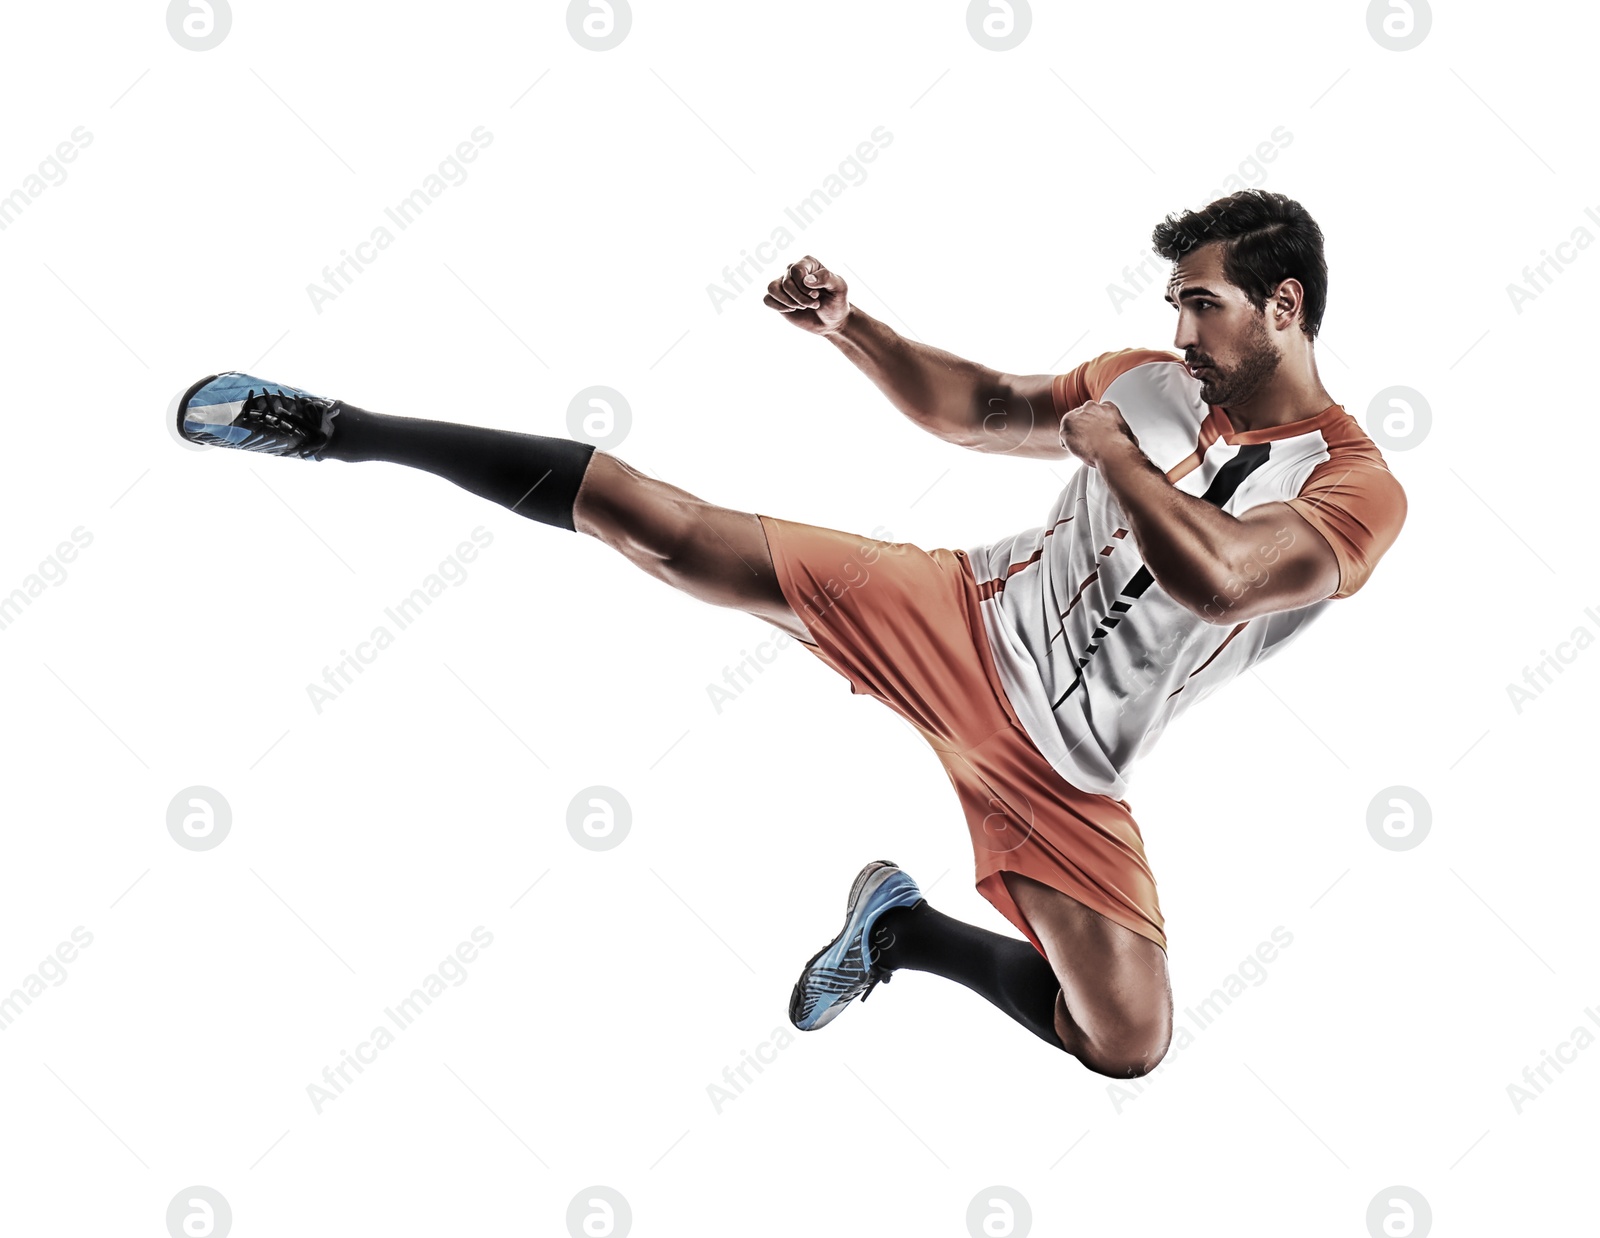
1119, 1042
632, 513
1129, 1059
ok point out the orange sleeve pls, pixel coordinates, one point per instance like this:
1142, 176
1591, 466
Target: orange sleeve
1089, 380
1357, 505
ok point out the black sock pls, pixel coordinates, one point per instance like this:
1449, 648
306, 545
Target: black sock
1010, 973
534, 476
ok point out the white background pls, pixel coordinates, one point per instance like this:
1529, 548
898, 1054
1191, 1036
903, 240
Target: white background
371, 838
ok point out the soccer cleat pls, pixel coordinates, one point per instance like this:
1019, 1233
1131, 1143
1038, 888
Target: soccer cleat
843, 969
251, 414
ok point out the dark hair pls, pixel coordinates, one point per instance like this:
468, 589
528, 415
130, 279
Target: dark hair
1266, 238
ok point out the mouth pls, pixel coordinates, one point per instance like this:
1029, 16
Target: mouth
1196, 370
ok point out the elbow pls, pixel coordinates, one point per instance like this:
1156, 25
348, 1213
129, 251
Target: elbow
963, 432
1224, 612
995, 416
1214, 609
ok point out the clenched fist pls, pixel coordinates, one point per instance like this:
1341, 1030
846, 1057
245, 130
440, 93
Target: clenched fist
814, 297
1091, 430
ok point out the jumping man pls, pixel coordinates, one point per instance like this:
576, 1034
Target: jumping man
1222, 502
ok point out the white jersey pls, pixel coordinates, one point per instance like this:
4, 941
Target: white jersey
1093, 654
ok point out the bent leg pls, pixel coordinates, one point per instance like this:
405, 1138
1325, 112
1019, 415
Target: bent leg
1114, 1010
1006, 971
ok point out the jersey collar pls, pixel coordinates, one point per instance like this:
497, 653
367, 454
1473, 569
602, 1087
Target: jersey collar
1220, 421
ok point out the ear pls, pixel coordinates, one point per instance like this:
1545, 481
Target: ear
1286, 301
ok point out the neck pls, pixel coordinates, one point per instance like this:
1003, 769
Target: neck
1293, 393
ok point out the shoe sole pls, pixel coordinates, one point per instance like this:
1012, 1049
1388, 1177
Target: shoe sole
849, 914
179, 407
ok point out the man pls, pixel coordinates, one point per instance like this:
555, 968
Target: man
1224, 500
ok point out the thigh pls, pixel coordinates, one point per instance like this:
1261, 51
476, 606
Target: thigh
900, 623
1110, 976
716, 554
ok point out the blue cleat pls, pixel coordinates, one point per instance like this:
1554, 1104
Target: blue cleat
251, 414
843, 969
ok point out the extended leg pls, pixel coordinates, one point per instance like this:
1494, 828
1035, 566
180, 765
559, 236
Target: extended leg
712, 553
534, 475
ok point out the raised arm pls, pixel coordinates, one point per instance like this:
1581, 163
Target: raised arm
960, 401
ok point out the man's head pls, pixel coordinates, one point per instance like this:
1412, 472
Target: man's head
1250, 284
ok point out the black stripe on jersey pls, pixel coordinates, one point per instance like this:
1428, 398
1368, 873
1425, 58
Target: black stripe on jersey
1222, 488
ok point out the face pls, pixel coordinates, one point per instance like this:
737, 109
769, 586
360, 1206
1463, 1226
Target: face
1219, 331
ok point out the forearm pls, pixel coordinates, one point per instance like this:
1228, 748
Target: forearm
1188, 544
940, 391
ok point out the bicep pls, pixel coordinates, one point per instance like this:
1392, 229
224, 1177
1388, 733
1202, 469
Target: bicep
1281, 563
1016, 416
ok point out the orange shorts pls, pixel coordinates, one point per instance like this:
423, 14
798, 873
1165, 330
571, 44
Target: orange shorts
903, 624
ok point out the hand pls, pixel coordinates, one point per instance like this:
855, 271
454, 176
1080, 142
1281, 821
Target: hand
814, 297
1093, 429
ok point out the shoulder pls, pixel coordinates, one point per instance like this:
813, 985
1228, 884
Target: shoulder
1353, 499
1089, 379
1355, 465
